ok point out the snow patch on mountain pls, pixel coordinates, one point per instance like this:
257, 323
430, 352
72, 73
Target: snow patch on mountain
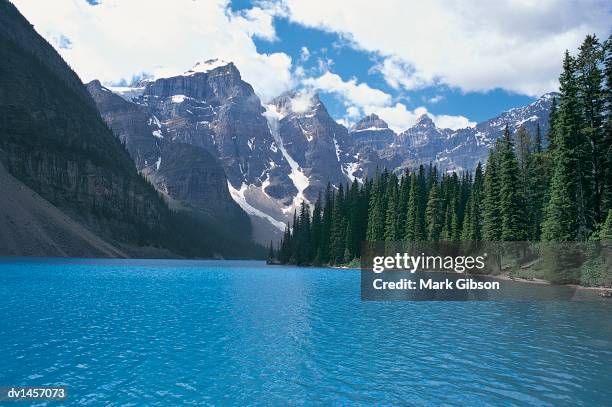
372, 129
338, 150
349, 170
297, 176
178, 98
206, 66
239, 196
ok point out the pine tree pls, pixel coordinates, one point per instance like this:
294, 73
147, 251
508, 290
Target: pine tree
285, 249
562, 215
348, 235
433, 214
402, 207
605, 234
338, 229
537, 186
356, 218
606, 146
432, 177
377, 212
445, 208
491, 214
552, 116
271, 251
456, 225
326, 226
472, 223
476, 228
467, 220
591, 99
316, 230
304, 238
362, 216
415, 220
524, 156
512, 205
423, 191
391, 224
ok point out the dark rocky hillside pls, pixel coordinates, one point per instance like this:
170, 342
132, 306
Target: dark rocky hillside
53, 140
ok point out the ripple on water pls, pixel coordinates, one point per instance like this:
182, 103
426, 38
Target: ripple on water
169, 332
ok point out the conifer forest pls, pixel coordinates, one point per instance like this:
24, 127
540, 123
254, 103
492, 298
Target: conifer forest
533, 187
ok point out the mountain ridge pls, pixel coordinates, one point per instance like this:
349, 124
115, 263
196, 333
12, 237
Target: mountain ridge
291, 147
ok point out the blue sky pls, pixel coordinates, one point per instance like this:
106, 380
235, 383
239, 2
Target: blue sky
349, 62
460, 61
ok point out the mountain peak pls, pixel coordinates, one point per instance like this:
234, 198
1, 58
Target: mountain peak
370, 122
208, 66
298, 102
424, 121
549, 95
371, 117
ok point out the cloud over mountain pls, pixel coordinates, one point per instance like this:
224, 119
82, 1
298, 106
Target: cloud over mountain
116, 39
473, 45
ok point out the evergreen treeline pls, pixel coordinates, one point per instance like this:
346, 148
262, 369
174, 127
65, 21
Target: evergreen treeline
530, 189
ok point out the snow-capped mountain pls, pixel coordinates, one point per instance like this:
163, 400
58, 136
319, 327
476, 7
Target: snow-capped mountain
450, 150
275, 155
311, 141
211, 108
187, 175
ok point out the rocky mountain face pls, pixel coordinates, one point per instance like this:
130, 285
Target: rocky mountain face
53, 140
277, 154
211, 107
32, 226
462, 149
134, 128
220, 125
273, 156
372, 132
188, 175
424, 143
311, 141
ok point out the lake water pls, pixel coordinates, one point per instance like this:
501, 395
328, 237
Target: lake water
239, 333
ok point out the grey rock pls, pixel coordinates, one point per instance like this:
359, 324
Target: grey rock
189, 176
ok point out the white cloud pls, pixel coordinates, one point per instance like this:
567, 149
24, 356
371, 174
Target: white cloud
360, 94
304, 54
436, 99
118, 39
452, 122
476, 45
399, 74
353, 112
324, 64
361, 99
400, 118
302, 102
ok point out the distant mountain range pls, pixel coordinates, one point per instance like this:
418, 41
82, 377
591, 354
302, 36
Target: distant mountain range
278, 153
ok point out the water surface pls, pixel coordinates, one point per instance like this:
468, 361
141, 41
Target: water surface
153, 332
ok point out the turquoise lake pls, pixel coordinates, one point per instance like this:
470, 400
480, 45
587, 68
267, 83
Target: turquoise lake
161, 332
